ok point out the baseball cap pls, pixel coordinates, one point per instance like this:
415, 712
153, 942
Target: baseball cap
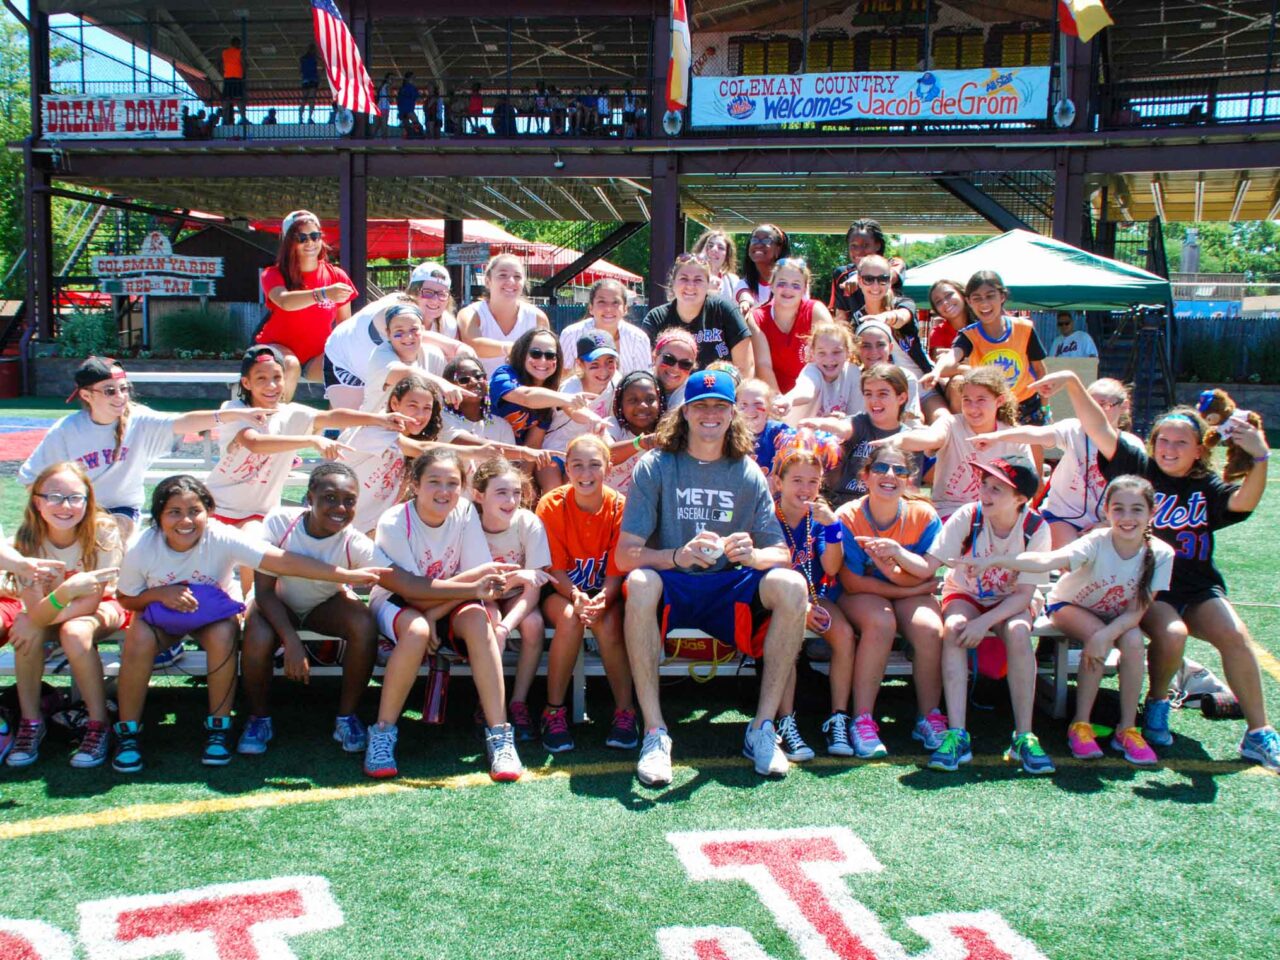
259, 353
294, 217
710, 385
430, 270
95, 370
595, 344
1016, 470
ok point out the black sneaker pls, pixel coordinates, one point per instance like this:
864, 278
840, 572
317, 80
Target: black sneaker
217, 744
836, 730
556, 737
518, 710
624, 733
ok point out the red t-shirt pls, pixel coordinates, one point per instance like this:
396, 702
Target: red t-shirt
302, 331
941, 336
787, 349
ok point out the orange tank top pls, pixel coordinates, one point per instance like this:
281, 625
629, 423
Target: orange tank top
1008, 352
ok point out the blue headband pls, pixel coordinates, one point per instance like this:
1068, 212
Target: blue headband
1182, 418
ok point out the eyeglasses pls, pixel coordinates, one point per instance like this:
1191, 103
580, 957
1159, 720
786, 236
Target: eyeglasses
763, 241
121, 390
880, 278
75, 500
311, 237
897, 469
425, 294
536, 354
1109, 402
668, 360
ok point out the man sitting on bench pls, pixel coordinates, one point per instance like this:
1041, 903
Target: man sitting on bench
704, 549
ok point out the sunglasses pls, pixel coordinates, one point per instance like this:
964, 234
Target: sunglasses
311, 237
75, 500
881, 468
874, 278
764, 241
461, 378
667, 360
122, 390
536, 354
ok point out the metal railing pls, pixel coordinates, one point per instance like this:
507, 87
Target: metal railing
1190, 101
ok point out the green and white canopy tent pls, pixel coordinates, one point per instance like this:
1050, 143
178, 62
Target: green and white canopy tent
1043, 274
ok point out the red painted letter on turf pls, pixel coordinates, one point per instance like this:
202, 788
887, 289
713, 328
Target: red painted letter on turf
233, 921
799, 875
32, 940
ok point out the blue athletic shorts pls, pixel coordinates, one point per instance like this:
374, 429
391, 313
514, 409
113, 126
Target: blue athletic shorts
725, 604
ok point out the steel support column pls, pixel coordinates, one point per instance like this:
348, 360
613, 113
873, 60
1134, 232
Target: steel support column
453, 234
1068, 197
664, 223
39, 239
982, 203
660, 49
353, 216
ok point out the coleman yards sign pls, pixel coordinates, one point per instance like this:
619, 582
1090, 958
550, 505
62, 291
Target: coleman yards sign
1009, 93
114, 117
141, 274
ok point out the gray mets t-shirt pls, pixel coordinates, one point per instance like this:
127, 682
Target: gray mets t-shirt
674, 497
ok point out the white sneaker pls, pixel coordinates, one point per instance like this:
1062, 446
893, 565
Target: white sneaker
1193, 681
793, 745
761, 747
653, 769
504, 762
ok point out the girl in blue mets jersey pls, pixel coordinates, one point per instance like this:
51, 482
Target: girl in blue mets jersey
1191, 504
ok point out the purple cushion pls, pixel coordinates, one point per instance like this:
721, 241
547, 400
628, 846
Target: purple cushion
214, 605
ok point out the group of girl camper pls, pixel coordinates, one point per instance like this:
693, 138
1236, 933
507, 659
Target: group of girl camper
447, 432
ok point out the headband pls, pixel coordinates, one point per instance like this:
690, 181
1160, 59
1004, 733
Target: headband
683, 336
1181, 418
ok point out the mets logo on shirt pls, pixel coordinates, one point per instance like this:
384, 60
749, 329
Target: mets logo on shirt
1009, 362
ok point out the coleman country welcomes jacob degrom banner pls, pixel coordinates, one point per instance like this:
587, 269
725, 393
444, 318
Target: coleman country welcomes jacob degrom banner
1008, 93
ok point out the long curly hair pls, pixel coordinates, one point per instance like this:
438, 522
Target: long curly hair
673, 435
992, 380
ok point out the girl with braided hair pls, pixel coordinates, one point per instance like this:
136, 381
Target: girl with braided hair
638, 405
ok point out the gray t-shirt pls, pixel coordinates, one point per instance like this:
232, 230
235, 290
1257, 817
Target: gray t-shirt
674, 497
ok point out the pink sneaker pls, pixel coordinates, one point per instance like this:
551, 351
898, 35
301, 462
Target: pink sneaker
1084, 745
1129, 741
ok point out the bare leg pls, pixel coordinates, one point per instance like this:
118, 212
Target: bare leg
1080, 624
413, 631
873, 618
644, 642
955, 661
342, 615
1217, 622
921, 623
532, 632
566, 641
613, 653
1016, 633
471, 625
78, 638
785, 594
1062, 533
219, 642
1168, 644
137, 655
839, 637
257, 650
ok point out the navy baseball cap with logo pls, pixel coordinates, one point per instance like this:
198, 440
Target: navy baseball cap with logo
595, 344
94, 370
710, 385
1016, 470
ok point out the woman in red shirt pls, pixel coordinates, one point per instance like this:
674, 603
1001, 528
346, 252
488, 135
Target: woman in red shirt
307, 297
780, 329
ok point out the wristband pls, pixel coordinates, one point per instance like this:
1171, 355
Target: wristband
636, 442
834, 533
1264, 458
674, 562
53, 601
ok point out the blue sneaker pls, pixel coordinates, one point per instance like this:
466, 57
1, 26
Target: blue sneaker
1263, 746
351, 733
128, 755
169, 657
1026, 749
955, 750
217, 744
255, 736
1155, 723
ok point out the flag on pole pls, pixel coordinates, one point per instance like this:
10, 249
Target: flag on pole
1083, 18
348, 79
681, 56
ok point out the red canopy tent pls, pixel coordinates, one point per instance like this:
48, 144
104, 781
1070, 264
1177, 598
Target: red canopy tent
424, 240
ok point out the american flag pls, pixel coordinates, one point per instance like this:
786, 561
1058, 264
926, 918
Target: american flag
348, 79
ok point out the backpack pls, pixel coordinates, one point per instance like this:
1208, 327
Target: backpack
1031, 522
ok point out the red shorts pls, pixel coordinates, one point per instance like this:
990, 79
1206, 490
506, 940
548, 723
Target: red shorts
10, 607
974, 601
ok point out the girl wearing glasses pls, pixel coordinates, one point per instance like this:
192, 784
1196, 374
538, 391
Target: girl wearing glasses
718, 329
768, 245
63, 524
307, 297
675, 354
405, 351
117, 441
780, 329
1073, 505
887, 583
492, 326
472, 416
865, 238
721, 254
879, 302
526, 391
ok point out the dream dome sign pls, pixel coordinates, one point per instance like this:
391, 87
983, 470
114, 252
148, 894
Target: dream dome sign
1004, 93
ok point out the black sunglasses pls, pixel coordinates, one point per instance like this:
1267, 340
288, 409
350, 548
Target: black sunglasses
667, 360
461, 378
313, 235
875, 278
536, 354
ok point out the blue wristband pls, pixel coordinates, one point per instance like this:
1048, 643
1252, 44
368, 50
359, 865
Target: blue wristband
834, 533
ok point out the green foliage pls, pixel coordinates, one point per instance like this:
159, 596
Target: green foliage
195, 332
88, 334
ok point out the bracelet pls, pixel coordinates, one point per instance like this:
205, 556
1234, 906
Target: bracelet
636, 443
674, 562
834, 533
53, 601
217, 418
1264, 458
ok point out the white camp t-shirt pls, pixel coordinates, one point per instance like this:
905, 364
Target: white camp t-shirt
376, 392
353, 341
117, 480
150, 562
379, 466
1076, 486
286, 529
634, 350
1104, 582
526, 320
524, 543
995, 583
564, 428
841, 396
110, 553
458, 544
247, 484
496, 429
761, 298
618, 475
955, 482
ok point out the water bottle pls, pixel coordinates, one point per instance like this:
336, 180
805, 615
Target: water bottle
433, 708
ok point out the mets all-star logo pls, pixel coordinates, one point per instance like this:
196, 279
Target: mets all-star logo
1009, 362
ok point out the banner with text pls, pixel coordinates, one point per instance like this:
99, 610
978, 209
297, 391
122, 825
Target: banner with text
118, 116
1008, 93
